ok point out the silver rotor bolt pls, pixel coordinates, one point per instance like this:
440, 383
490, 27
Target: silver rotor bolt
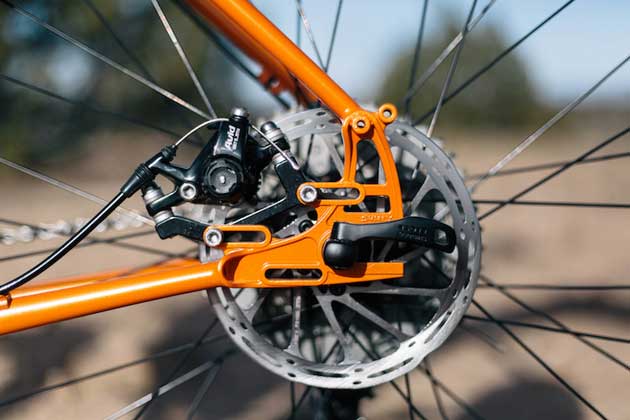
213, 237
308, 193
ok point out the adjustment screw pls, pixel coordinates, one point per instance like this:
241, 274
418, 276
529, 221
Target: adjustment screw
213, 237
188, 191
308, 193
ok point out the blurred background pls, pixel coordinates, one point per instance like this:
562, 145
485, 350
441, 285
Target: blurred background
70, 116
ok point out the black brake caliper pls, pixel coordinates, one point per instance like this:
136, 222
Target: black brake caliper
226, 171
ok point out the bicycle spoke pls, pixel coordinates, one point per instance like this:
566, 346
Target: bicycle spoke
292, 396
392, 383
540, 361
545, 127
451, 72
297, 406
562, 328
412, 406
436, 392
182, 55
553, 165
308, 389
327, 356
554, 204
333, 36
502, 325
494, 61
74, 190
552, 329
418, 83
106, 60
554, 321
87, 107
482, 336
156, 356
203, 390
415, 61
562, 287
480, 201
224, 47
148, 398
309, 32
136, 60
113, 369
557, 172
298, 26
117, 39
182, 362
458, 400
408, 392
487, 283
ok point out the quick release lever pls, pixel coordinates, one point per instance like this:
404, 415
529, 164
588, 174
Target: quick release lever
340, 251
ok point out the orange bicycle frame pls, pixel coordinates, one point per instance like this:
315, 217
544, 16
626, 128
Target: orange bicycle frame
284, 67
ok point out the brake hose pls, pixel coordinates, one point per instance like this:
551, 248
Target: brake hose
141, 177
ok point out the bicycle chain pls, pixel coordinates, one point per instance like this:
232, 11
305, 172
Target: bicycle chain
63, 228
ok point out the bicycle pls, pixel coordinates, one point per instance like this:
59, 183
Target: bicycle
376, 277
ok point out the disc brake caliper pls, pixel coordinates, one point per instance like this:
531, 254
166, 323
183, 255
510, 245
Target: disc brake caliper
228, 169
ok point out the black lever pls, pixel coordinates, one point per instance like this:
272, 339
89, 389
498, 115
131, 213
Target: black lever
340, 251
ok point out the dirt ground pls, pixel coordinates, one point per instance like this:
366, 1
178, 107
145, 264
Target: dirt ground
480, 364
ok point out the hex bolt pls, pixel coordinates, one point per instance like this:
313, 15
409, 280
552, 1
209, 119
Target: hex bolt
213, 237
308, 193
188, 191
305, 225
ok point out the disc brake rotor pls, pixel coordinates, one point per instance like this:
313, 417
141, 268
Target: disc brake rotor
365, 334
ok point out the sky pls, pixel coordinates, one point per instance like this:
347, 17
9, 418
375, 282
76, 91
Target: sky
563, 59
